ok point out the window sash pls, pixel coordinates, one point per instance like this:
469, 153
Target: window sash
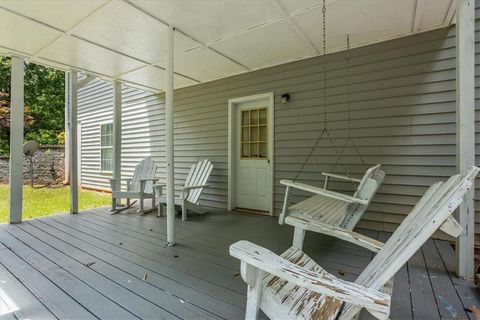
106, 147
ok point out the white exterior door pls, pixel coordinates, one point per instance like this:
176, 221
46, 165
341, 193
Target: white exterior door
253, 180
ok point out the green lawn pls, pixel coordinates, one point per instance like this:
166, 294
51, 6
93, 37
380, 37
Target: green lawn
44, 201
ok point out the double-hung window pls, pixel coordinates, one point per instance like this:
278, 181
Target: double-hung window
106, 147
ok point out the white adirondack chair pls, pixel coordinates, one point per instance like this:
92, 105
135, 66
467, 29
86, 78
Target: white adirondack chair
328, 209
140, 186
293, 286
188, 200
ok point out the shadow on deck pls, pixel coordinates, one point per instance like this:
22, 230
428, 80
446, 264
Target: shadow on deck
96, 265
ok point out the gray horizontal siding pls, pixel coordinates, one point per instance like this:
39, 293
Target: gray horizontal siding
401, 96
142, 129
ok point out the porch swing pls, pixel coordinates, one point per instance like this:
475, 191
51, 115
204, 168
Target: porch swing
329, 212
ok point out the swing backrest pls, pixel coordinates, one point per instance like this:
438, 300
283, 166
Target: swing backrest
366, 189
146, 169
198, 175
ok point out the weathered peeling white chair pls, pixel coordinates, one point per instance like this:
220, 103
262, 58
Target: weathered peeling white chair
293, 286
327, 211
190, 194
140, 186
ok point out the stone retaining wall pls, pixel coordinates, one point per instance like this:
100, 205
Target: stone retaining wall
48, 166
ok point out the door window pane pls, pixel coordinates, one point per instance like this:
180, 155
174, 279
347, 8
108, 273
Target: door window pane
253, 136
263, 116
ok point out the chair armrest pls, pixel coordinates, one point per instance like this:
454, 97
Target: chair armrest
150, 179
340, 233
451, 227
374, 301
337, 176
323, 192
159, 189
196, 187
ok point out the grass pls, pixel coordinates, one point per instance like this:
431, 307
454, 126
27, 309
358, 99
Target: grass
44, 201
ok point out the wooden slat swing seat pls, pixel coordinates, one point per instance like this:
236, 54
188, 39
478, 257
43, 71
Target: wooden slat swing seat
293, 286
190, 193
140, 186
330, 212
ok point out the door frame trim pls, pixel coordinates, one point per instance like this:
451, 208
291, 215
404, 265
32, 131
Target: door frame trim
232, 154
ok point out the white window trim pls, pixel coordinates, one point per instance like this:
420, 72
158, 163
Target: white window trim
104, 147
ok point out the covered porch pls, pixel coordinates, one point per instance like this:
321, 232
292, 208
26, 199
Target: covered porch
95, 265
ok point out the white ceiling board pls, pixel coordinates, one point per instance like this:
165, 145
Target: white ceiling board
154, 77
85, 56
433, 13
121, 27
365, 21
214, 38
212, 66
208, 21
269, 45
58, 13
22, 34
294, 6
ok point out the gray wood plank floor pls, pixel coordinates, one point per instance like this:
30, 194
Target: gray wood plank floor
96, 265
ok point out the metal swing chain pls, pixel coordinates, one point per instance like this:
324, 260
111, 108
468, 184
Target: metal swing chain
349, 120
324, 14
325, 129
349, 136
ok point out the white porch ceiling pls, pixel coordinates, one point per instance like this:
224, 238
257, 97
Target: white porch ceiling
124, 39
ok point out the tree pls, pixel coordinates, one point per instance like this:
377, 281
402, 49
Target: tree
44, 101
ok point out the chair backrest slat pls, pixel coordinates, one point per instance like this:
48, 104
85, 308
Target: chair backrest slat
145, 169
427, 216
436, 205
198, 175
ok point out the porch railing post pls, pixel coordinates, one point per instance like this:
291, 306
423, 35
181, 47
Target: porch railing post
465, 108
73, 141
16, 140
169, 138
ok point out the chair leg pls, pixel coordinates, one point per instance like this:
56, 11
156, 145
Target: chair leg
114, 204
184, 212
142, 209
153, 199
298, 237
254, 279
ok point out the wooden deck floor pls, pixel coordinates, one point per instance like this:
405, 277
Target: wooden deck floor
94, 265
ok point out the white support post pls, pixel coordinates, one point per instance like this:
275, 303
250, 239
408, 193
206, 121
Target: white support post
16, 141
465, 91
73, 140
117, 132
67, 128
169, 138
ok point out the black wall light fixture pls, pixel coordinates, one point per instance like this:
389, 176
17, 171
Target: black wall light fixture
285, 97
